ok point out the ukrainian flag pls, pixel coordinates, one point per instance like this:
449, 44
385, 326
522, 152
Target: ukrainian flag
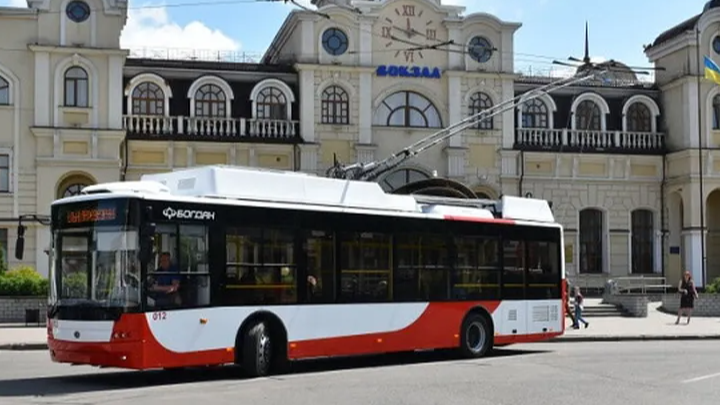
712, 71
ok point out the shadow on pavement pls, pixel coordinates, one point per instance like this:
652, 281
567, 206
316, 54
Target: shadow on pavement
61, 385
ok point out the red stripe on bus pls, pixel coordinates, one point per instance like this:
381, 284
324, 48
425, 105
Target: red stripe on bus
479, 219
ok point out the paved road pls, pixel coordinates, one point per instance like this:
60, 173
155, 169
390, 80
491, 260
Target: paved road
589, 373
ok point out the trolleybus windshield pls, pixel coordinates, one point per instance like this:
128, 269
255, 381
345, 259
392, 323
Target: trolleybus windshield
95, 256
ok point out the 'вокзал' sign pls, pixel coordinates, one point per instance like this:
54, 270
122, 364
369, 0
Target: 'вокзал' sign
408, 71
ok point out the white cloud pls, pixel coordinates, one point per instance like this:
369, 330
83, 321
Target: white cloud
150, 32
14, 3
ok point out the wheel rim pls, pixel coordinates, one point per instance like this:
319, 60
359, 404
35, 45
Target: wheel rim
475, 336
264, 351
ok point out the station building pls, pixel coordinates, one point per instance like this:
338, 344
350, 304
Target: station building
621, 160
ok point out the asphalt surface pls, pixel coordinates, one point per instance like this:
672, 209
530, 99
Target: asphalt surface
619, 373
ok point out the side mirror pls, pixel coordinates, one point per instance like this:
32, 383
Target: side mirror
147, 242
20, 242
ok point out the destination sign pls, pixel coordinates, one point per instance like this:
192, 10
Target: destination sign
82, 216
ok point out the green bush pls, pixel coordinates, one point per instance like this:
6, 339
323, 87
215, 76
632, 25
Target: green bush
23, 281
713, 287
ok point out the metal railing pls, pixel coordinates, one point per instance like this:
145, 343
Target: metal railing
639, 284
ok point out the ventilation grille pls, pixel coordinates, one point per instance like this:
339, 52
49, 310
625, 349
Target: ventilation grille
554, 313
541, 313
512, 315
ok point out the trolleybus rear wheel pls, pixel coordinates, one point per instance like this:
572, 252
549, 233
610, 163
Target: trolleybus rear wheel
476, 336
257, 350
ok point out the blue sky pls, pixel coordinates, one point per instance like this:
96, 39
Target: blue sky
551, 28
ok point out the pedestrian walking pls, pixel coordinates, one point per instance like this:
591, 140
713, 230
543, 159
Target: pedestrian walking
688, 294
579, 299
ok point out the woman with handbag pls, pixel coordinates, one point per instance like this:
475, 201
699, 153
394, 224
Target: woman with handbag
688, 294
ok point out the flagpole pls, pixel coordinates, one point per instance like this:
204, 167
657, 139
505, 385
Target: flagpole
700, 158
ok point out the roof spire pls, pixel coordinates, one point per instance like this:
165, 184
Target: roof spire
586, 59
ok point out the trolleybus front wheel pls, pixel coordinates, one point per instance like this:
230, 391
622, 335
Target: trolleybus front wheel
476, 336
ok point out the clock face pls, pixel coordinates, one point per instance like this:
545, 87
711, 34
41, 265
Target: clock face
408, 26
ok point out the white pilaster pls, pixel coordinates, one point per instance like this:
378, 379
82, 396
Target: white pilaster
506, 54
307, 105
42, 242
455, 107
42, 89
456, 162
693, 255
115, 91
455, 59
365, 153
508, 117
365, 43
308, 40
691, 108
365, 107
309, 158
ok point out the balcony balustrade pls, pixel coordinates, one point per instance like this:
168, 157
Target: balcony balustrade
174, 128
571, 140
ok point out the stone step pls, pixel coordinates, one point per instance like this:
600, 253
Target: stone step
599, 310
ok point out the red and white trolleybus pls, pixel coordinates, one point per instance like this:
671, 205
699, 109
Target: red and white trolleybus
220, 265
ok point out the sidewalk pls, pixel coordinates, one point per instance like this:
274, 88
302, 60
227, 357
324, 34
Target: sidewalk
21, 337
657, 326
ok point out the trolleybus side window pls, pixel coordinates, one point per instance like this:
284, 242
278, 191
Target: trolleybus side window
261, 267
513, 277
477, 272
365, 267
179, 276
543, 276
319, 247
421, 268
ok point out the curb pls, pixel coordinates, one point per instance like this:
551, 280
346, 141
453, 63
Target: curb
631, 338
24, 346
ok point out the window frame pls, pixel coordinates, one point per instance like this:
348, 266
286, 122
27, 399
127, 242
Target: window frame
74, 82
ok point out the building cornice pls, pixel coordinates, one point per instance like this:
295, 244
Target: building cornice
685, 40
334, 68
473, 74
68, 50
49, 132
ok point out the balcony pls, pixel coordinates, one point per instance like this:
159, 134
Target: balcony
179, 128
570, 140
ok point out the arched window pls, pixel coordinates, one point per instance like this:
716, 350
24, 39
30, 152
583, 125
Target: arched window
210, 101
73, 185
588, 116
643, 241
592, 244
401, 177
480, 102
534, 114
335, 106
73, 189
148, 99
271, 104
76, 87
4, 92
639, 118
407, 109
716, 112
